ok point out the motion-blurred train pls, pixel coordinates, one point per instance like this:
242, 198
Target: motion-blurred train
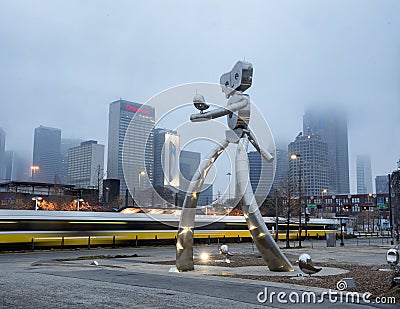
67, 228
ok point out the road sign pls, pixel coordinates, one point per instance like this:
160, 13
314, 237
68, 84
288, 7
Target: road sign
312, 206
382, 206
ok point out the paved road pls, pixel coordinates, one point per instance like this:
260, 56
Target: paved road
36, 280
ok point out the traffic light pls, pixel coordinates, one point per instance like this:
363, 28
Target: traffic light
319, 206
365, 208
307, 217
347, 207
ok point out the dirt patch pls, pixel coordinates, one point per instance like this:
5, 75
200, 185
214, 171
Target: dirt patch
367, 278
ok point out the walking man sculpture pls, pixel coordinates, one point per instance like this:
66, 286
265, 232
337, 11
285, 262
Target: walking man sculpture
233, 84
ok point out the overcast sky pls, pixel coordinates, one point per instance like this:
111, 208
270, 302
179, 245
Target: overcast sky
63, 62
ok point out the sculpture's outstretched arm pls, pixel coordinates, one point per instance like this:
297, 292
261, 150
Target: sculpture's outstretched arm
240, 101
265, 154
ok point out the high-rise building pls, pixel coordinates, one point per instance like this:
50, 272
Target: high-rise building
166, 158
364, 175
46, 154
261, 174
128, 141
86, 165
11, 166
282, 168
189, 161
66, 144
311, 165
206, 195
382, 184
2, 155
331, 126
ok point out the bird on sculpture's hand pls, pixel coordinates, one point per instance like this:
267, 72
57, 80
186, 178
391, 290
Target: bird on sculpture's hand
306, 265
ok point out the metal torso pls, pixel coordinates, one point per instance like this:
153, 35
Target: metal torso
240, 118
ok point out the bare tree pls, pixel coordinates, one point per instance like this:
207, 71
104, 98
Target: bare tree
99, 181
288, 191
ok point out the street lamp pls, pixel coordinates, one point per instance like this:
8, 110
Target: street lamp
324, 191
34, 168
229, 174
78, 200
37, 200
296, 156
141, 173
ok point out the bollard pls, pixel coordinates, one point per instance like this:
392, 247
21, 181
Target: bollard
32, 244
209, 240
136, 241
88, 244
114, 241
62, 243
175, 239
238, 239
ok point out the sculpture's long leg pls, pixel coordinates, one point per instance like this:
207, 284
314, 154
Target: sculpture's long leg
266, 245
184, 245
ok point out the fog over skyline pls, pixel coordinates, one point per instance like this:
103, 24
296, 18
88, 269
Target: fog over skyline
63, 62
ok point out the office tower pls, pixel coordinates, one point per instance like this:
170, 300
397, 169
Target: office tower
331, 126
364, 175
206, 195
86, 165
66, 144
282, 168
166, 158
311, 165
12, 171
46, 155
261, 174
2, 154
189, 161
140, 118
382, 184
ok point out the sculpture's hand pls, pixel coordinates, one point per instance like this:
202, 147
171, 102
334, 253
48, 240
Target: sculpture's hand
216, 113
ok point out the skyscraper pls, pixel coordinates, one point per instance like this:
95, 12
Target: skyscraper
331, 126
66, 144
2, 155
137, 119
313, 164
46, 154
166, 158
261, 174
382, 184
86, 165
189, 161
282, 168
364, 175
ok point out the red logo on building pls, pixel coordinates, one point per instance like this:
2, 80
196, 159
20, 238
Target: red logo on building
137, 110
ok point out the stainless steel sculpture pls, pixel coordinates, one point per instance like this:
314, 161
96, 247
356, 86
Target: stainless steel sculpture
238, 114
306, 265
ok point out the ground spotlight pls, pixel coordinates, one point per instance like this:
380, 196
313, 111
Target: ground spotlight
204, 256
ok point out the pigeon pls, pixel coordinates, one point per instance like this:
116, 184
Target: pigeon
306, 265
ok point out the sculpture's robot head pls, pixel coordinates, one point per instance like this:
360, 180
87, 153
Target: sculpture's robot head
238, 79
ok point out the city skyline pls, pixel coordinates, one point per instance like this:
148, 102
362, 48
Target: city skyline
55, 76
